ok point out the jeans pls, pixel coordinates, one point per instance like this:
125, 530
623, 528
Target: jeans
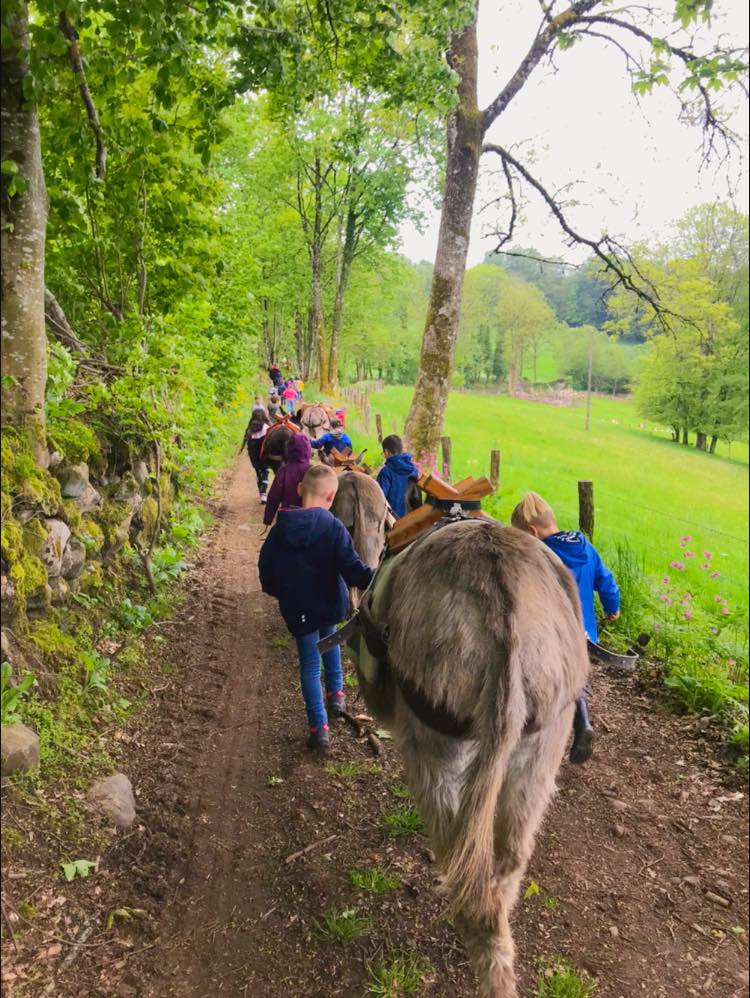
309, 673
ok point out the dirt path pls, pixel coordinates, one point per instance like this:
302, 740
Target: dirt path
228, 793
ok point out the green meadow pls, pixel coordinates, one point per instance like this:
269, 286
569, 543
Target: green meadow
649, 492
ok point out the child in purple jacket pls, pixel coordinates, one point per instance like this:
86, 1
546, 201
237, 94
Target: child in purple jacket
283, 491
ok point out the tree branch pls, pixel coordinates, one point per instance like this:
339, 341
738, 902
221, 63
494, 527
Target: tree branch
712, 126
615, 257
74, 53
554, 25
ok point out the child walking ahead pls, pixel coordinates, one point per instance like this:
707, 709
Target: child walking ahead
396, 474
307, 562
579, 555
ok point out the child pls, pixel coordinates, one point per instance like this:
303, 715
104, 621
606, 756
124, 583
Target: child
340, 414
289, 396
253, 440
396, 473
284, 490
307, 562
336, 439
577, 553
274, 407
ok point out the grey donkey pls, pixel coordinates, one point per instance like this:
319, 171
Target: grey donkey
362, 508
485, 657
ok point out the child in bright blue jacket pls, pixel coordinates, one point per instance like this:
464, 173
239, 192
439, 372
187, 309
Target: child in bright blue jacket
306, 563
337, 439
396, 474
579, 555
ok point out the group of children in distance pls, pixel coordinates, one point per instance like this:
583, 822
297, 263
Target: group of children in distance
308, 561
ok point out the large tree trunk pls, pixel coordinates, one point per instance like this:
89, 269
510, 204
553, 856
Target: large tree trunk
712, 447
316, 260
430, 399
700, 441
24, 227
342, 279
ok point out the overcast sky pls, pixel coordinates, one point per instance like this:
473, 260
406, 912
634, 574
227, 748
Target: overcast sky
636, 167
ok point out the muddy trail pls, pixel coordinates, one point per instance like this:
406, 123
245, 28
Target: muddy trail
246, 842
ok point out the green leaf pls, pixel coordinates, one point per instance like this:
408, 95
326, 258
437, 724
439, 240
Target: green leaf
531, 890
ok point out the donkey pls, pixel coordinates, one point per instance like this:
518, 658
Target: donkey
275, 443
315, 418
362, 508
484, 658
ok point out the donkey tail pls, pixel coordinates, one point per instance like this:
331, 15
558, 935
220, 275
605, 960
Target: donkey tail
469, 861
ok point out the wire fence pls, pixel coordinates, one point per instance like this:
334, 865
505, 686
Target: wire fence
569, 513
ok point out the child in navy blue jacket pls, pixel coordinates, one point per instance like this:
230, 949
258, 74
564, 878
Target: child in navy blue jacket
579, 555
396, 474
307, 562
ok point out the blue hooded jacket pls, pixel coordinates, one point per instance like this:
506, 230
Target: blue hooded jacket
394, 478
591, 574
329, 442
307, 562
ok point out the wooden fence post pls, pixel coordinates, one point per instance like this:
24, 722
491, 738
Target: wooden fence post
394, 426
495, 469
445, 446
379, 426
586, 508
366, 414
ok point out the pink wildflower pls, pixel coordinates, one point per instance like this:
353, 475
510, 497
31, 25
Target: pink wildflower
705, 565
657, 626
707, 555
690, 554
687, 537
725, 611
715, 575
688, 615
665, 580
718, 599
714, 630
677, 565
666, 599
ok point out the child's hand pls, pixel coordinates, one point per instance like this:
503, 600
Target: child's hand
613, 616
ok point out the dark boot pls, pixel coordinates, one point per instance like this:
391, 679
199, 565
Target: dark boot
583, 734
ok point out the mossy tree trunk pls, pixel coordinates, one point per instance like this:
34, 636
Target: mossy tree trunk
24, 227
428, 405
346, 258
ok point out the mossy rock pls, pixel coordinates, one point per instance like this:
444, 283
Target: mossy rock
148, 514
91, 534
20, 546
54, 645
92, 577
34, 535
76, 441
72, 515
167, 494
24, 480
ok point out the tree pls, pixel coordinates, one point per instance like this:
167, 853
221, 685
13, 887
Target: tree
525, 319
24, 226
691, 380
648, 55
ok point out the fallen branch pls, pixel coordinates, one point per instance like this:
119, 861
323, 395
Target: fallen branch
57, 323
74, 951
8, 922
307, 849
375, 743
